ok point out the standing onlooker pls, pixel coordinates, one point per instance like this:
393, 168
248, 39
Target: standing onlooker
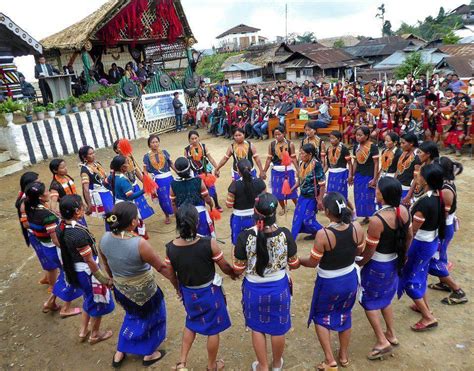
42, 70
178, 112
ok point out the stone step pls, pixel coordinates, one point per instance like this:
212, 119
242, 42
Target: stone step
5, 156
10, 167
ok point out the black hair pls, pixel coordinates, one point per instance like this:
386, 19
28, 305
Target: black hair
68, 206
151, 137
434, 177
54, 165
193, 132
117, 162
365, 130
187, 220
336, 204
121, 216
393, 137
27, 178
363, 109
391, 190
430, 148
83, 152
337, 134
240, 130
245, 169
175, 93
115, 146
265, 215
33, 192
183, 167
308, 124
280, 128
451, 168
410, 138
310, 149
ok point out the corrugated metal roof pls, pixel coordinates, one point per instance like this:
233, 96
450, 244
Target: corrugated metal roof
306, 47
432, 56
458, 49
463, 66
243, 66
348, 40
299, 63
241, 28
379, 46
333, 58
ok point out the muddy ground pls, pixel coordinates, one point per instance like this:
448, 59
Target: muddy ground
33, 340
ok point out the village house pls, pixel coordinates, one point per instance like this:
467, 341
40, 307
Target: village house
239, 37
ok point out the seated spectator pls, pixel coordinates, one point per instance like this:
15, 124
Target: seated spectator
115, 73
321, 114
189, 118
201, 110
286, 108
217, 120
27, 89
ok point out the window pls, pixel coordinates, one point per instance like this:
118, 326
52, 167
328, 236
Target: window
298, 73
307, 72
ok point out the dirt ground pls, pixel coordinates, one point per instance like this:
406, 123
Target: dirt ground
33, 340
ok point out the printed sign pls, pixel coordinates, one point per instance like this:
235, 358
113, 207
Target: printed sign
158, 106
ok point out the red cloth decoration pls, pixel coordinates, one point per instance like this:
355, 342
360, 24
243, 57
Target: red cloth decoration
355, 90
286, 188
389, 122
209, 179
215, 214
149, 185
165, 10
340, 119
125, 147
285, 158
379, 122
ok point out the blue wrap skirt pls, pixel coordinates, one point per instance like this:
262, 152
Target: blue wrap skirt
304, 219
364, 196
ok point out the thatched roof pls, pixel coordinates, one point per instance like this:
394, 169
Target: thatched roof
76, 35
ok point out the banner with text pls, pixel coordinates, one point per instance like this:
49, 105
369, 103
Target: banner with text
158, 106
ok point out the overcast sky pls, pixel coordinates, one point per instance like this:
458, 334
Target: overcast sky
209, 18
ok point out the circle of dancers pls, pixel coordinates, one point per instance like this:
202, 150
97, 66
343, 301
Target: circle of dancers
405, 194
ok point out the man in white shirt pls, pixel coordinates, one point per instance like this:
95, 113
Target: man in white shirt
201, 109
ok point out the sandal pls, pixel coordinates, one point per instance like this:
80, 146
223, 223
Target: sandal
180, 366
420, 326
74, 312
376, 354
118, 364
47, 308
153, 361
456, 297
393, 342
323, 366
345, 363
414, 308
278, 368
83, 338
439, 286
219, 366
102, 337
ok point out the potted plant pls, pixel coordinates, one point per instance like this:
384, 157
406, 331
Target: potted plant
51, 109
73, 101
28, 110
39, 110
111, 94
96, 98
102, 95
61, 106
8, 108
86, 99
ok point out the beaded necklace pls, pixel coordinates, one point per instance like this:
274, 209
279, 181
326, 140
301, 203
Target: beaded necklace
334, 153
362, 152
159, 163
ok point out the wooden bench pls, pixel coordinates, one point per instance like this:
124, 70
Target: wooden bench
273, 122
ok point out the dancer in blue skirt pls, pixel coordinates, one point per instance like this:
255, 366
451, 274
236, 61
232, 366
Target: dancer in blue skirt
158, 164
192, 259
406, 165
312, 184
264, 252
42, 222
439, 262
241, 198
335, 249
128, 259
202, 162
279, 171
364, 174
390, 155
339, 163
186, 189
388, 237
429, 226
81, 266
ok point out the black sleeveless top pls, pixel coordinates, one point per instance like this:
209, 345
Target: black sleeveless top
452, 188
276, 160
344, 252
387, 243
198, 166
193, 263
237, 158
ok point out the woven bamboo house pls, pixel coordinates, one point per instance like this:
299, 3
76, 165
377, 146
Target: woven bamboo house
122, 31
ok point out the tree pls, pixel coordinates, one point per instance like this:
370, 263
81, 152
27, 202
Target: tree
387, 29
451, 38
307, 37
381, 14
413, 64
210, 65
339, 44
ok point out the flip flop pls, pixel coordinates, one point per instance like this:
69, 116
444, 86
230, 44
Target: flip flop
102, 337
345, 363
219, 366
379, 353
152, 361
84, 337
278, 368
180, 366
47, 309
323, 366
393, 342
74, 312
439, 286
414, 308
420, 327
